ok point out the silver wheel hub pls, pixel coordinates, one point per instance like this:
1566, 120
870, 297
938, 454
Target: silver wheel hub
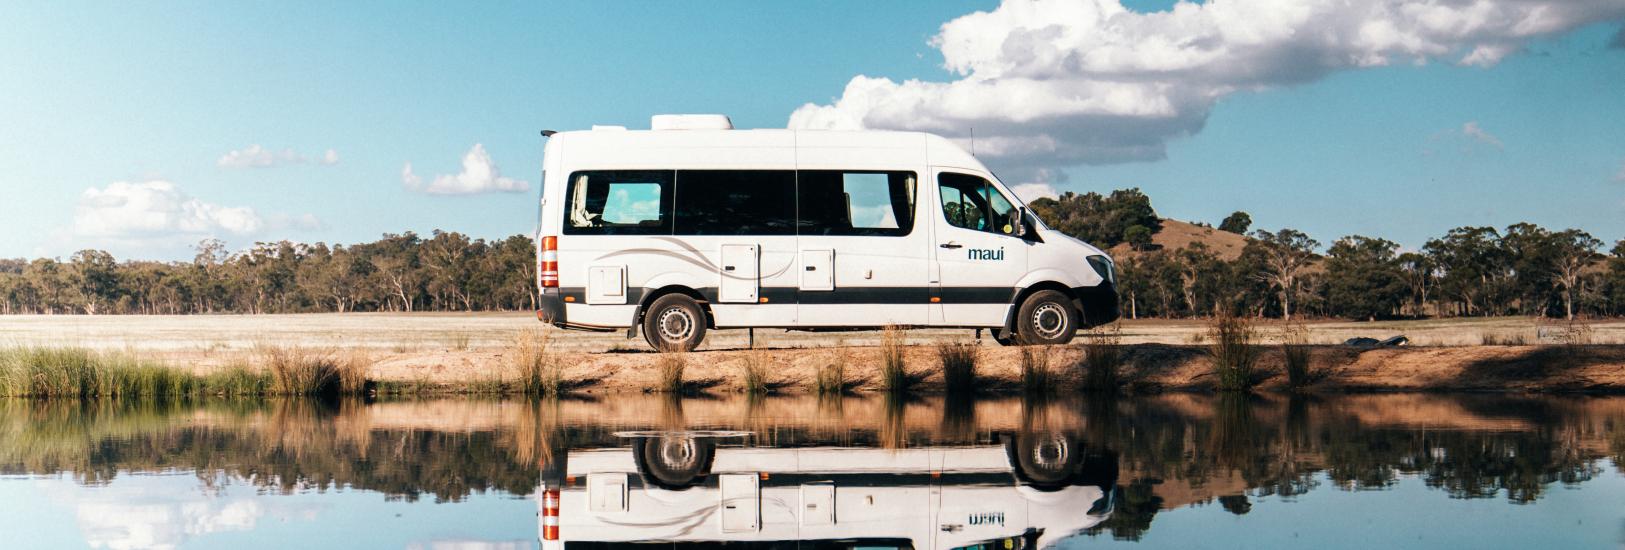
678, 453
1049, 320
675, 325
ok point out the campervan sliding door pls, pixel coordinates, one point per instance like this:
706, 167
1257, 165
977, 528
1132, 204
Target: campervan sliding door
863, 257
739, 226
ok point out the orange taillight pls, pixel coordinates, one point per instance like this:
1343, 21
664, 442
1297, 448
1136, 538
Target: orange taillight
547, 268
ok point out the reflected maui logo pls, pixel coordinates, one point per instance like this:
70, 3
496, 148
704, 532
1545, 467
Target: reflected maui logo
986, 518
985, 254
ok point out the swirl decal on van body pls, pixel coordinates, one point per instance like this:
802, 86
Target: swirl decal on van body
693, 257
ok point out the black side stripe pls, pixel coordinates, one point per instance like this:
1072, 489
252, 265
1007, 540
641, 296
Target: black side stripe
842, 296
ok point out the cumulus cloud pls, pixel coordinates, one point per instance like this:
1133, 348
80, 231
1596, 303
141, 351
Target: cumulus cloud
257, 156
155, 208
1033, 191
1048, 83
479, 175
1476, 133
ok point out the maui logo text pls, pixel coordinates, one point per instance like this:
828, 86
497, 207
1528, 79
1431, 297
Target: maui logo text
987, 518
986, 254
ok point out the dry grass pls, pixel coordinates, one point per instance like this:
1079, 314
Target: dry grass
538, 370
831, 379
81, 373
754, 372
1037, 376
1504, 338
669, 370
1232, 351
959, 366
1102, 357
297, 370
894, 376
1296, 353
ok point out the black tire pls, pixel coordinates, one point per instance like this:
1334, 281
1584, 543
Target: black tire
674, 461
1047, 460
1046, 318
674, 322
1004, 340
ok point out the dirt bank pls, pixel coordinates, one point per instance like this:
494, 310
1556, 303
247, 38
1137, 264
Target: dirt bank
1146, 367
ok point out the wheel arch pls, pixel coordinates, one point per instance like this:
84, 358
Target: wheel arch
1029, 290
650, 296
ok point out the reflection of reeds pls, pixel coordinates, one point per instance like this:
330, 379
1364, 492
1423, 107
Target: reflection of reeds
959, 366
893, 366
830, 380
1232, 351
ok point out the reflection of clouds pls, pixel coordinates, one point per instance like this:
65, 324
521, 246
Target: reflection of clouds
166, 511
470, 545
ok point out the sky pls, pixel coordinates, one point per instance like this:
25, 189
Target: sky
142, 129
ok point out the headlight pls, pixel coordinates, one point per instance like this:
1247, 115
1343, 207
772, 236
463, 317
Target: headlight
1103, 266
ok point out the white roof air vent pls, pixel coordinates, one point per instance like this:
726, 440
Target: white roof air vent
690, 122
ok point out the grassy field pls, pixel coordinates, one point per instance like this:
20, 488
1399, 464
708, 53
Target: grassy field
422, 332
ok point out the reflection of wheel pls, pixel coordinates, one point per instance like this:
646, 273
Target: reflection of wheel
1048, 459
674, 461
674, 322
1045, 319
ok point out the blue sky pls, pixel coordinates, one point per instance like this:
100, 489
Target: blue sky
340, 98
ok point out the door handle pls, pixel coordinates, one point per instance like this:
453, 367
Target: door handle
727, 268
812, 268
951, 245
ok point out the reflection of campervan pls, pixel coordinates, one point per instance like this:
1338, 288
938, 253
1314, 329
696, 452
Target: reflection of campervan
692, 226
677, 488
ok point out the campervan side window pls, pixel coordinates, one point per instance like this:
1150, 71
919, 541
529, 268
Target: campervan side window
973, 203
736, 202
835, 202
619, 202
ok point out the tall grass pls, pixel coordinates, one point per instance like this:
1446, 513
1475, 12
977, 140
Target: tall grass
1037, 376
754, 372
1297, 355
1504, 339
81, 373
893, 364
669, 368
831, 377
1232, 351
1102, 358
539, 372
959, 366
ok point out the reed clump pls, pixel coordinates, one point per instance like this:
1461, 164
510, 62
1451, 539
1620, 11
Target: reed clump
71, 372
297, 370
1037, 376
1232, 351
539, 372
1296, 353
1102, 358
893, 363
959, 366
754, 371
669, 368
1504, 339
831, 377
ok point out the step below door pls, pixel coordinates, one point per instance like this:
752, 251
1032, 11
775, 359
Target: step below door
740, 274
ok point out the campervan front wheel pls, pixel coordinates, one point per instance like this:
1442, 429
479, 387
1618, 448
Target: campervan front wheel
674, 322
1047, 318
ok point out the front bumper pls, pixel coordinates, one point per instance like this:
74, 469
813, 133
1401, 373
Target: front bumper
1099, 303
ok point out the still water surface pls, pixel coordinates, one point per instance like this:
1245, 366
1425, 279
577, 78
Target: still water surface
1189, 471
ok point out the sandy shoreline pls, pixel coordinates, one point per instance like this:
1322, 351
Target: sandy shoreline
456, 349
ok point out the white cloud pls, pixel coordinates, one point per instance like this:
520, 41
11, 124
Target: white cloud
1472, 130
479, 175
257, 156
156, 208
1050, 83
167, 511
1033, 191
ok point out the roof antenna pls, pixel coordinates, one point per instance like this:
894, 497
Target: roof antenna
973, 141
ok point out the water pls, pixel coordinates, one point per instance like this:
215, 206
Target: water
1357, 471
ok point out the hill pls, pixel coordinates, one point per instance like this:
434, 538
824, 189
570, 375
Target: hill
1176, 234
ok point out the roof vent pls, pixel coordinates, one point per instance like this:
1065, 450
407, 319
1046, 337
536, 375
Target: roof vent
690, 122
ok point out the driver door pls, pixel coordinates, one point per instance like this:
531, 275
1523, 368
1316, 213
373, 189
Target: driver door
979, 256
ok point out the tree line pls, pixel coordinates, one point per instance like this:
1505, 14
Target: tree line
446, 272
1523, 269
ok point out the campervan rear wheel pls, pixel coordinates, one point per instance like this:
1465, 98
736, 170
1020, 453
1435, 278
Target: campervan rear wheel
674, 323
675, 461
1047, 318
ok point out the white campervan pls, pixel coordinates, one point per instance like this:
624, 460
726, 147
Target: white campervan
694, 225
